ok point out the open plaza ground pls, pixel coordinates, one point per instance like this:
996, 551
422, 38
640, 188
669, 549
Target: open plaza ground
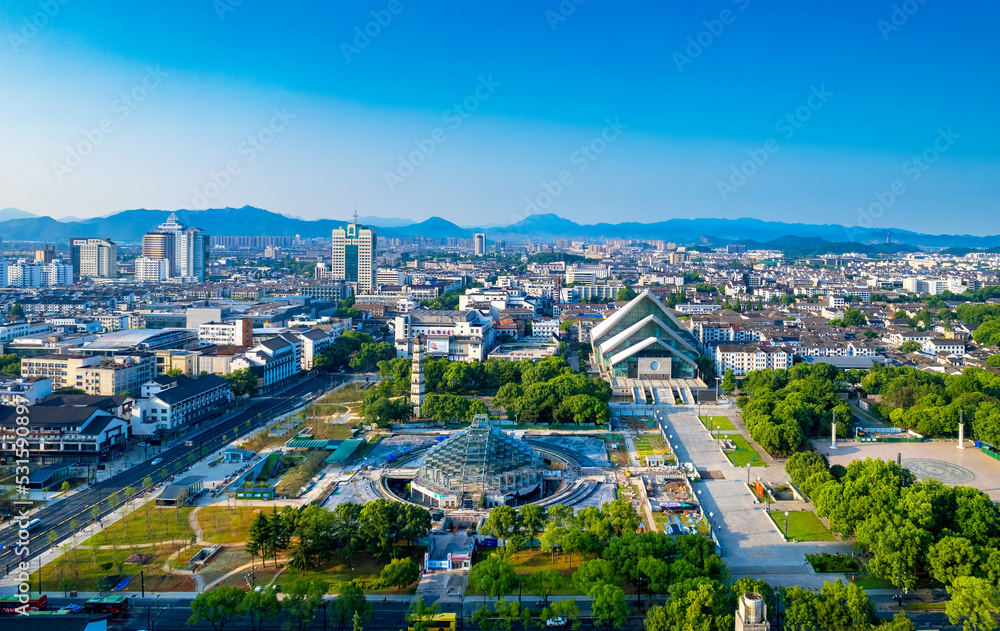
938, 460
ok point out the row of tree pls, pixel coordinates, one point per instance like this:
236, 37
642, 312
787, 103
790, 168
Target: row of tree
932, 404
910, 528
374, 527
782, 408
302, 601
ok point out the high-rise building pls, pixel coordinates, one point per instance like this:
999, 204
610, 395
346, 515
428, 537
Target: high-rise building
159, 246
184, 249
45, 254
480, 241
193, 255
354, 256
94, 258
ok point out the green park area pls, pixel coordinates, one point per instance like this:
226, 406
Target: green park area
717, 422
744, 453
802, 526
147, 525
652, 444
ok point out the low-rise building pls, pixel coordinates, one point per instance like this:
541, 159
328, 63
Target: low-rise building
173, 404
56, 434
742, 358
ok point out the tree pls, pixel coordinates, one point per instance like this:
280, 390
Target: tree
625, 294
728, 381
911, 346
623, 516
952, 557
974, 599
217, 606
261, 607
494, 576
302, 599
420, 615
533, 518
566, 609
595, 573
542, 583
174, 372
609, 607
349, 605
243, 382
900, 622
400, 573
854, 317
65, 486
502, 523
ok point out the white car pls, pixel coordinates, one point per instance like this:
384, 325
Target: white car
156, 461
555, 622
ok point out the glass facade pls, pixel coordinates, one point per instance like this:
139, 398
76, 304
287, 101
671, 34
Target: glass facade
608, 341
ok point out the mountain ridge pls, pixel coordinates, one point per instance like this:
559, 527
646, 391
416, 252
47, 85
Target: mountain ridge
128, 226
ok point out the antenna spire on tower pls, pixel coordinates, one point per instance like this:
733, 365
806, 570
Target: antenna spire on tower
355, 213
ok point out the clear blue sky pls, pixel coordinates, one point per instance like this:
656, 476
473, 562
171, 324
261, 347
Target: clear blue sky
546, 86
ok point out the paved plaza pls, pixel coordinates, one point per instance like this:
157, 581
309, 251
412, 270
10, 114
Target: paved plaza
750, 542
940, 460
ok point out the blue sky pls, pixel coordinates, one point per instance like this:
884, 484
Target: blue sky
598, 111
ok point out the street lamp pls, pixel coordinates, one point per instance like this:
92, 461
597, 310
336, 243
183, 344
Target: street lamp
786, 525
748, 474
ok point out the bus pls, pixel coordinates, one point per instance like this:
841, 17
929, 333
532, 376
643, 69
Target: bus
34, 523
35, 602
114, 604
437, 621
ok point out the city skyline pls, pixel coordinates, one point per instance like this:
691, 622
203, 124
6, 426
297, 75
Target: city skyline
730, 110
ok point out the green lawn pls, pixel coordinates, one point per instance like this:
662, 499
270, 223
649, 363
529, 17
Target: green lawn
802, 526
148, 524
357, 566
527, 562
722, 422
85, 569
743, 453
222, 524
650, 444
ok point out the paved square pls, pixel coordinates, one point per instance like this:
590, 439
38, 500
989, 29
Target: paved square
938, 460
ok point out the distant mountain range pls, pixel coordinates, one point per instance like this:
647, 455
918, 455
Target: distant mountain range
128, 226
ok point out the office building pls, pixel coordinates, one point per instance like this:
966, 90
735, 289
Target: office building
94, 258
159, 246
480, 241
45, 254
184, 249
354, 256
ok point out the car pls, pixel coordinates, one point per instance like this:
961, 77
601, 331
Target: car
156, 461
556, 622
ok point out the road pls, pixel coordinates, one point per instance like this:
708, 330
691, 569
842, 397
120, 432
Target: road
59, 516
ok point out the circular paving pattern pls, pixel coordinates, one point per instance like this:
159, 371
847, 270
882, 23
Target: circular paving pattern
939, 470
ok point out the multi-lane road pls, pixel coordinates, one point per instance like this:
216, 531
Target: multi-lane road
59, 516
